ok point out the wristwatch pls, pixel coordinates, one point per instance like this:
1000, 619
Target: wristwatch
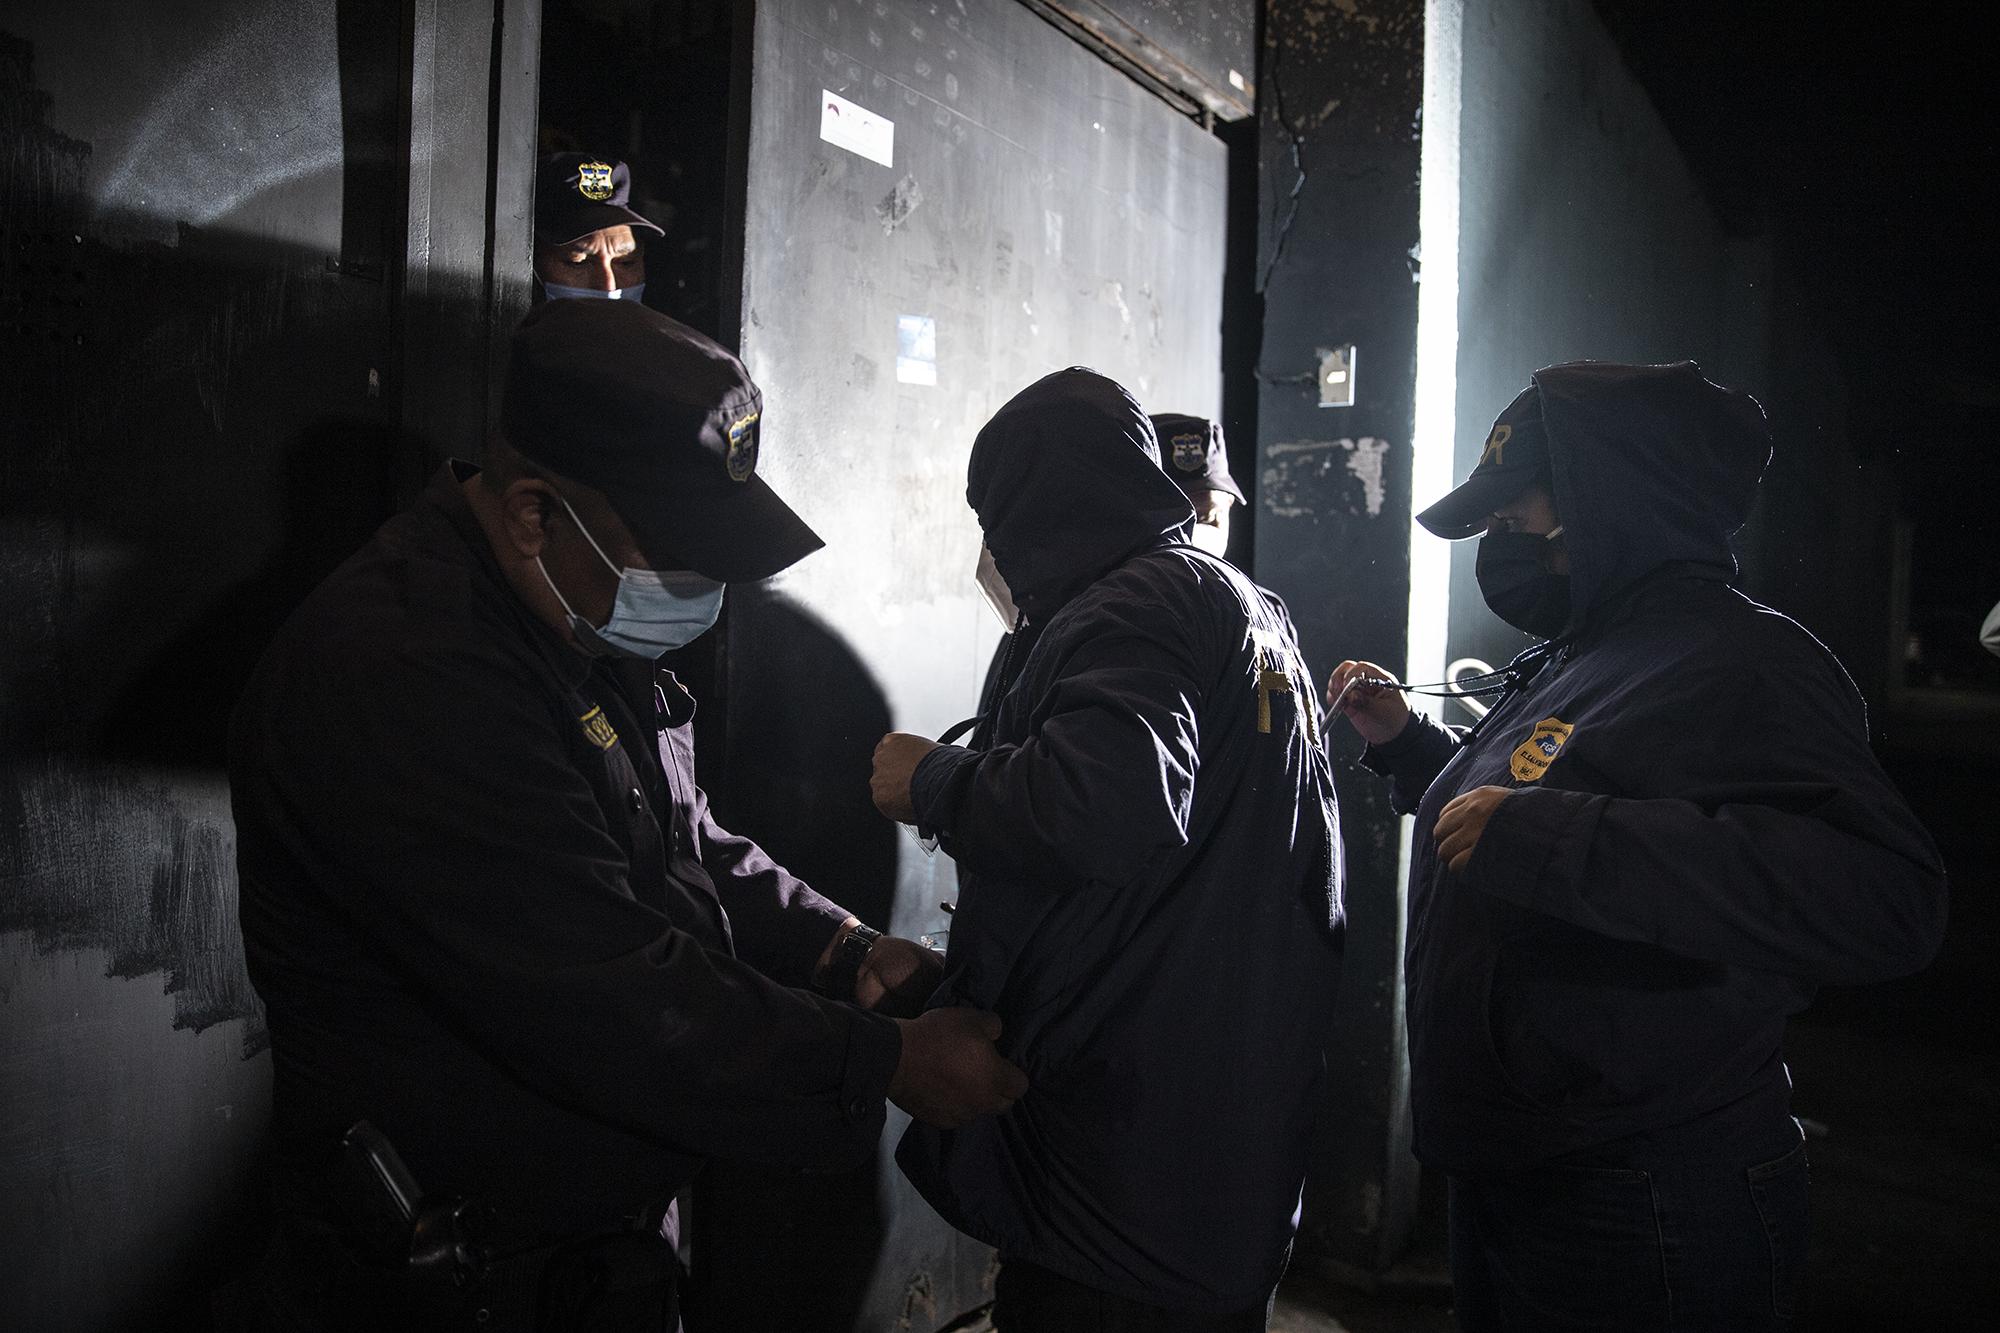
848, 956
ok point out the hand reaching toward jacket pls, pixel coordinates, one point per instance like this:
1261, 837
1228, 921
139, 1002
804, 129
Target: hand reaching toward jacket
950, 1073
897, 977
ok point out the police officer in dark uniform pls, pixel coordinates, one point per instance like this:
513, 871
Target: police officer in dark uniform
1194, 454
590, 243
1147, 841
485, 902
1667, 832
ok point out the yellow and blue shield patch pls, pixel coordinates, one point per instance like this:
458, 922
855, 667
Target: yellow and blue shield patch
1532, 760
1190, 452
593, 181
742, 455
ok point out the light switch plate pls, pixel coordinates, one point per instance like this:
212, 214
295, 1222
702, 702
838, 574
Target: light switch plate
1336, 376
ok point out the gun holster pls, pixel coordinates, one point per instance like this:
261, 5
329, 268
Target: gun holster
433, 1247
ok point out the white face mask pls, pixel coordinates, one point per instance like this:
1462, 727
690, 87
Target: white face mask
1212, 538
657, 610
987, 575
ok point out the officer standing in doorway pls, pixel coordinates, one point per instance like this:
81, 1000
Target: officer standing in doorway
1193, 453
590, 243
486, 905
1665, 835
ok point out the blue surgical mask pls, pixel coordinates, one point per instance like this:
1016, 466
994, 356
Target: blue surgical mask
557, 292
656, 611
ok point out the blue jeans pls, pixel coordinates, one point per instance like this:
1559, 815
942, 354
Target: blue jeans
1681, 1247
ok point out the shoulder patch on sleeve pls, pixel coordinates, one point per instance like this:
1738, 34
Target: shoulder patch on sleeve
597, 729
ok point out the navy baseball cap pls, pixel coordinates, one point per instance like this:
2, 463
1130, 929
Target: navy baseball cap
577, 194
1193, 454
1516, 456
661, 419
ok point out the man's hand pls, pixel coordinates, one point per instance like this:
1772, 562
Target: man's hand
1378, 712
1461, 822
897, 977
896, 758
949, 1073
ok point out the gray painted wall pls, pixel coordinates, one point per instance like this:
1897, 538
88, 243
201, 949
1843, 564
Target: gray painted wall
206, 239
1582, 235
184, 174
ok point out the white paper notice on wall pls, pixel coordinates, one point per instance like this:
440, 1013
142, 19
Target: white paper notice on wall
857, 129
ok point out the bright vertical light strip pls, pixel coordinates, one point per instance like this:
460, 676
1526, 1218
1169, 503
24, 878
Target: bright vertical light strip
1437, 339
1437, 352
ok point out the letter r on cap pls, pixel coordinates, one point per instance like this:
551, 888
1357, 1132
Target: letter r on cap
1496, 443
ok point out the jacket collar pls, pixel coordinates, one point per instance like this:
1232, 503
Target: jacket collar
489, 585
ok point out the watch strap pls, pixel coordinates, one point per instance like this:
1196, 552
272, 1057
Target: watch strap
845, 969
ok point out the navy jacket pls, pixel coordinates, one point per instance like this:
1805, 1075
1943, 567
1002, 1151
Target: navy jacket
1146, 836
1698, 833
487, 908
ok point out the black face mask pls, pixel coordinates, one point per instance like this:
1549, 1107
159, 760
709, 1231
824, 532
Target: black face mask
1515, 579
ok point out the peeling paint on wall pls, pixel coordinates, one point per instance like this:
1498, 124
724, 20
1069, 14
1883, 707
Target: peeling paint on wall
899, 203
1364, 461
1299, 476
919, 1298
100, 860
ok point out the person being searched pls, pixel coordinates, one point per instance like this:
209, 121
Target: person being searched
1193, 453
485, 901
1150, 893
1666, 833
589, 240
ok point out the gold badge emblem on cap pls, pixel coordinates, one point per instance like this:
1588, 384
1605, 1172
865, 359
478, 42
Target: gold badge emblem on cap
1544, 743
1190, 452
593, 181
1496, 446
742, 456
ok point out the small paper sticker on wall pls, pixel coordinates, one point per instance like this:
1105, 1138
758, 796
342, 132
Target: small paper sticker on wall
916, 349
857, 129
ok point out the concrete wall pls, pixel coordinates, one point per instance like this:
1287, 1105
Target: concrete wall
232, 277
1820, 545
1341, 87
1583, 235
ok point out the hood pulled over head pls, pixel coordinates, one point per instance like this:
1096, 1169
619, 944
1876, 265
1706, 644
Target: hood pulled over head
1066, 481
1653, 465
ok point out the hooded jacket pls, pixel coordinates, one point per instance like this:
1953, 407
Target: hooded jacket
1697, 833
1149, 892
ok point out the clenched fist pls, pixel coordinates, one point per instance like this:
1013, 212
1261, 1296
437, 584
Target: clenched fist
896, 758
